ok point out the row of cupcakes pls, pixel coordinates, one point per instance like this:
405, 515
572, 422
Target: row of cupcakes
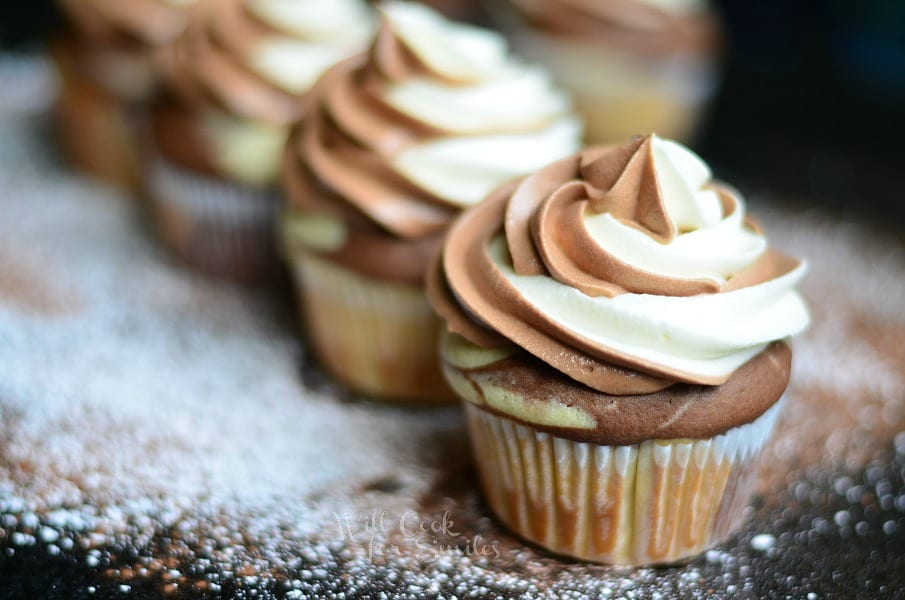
629, 65
611, 318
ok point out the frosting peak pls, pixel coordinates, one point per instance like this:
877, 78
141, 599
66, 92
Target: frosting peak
655, 185
620, 257
623, 182
456, 52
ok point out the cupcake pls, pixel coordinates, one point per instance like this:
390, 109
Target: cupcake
235, 82
615, 325
631, 65
393, 145
106, 79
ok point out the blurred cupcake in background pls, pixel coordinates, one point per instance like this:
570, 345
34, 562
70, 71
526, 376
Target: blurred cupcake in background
104, 64
234, 83
393, 146
631, 65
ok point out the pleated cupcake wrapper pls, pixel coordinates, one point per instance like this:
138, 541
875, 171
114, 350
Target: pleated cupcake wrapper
657, 502
378, 337
221, 228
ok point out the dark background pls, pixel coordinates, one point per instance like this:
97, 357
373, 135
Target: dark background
812, 107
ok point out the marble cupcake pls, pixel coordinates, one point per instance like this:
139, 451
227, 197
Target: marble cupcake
616, 325
235, 82
395, 143
106, 79
630, 65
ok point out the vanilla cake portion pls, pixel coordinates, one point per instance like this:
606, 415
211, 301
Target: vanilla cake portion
162, 433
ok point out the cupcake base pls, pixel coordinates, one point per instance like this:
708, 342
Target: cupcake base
657, 502
219, 228
378, 337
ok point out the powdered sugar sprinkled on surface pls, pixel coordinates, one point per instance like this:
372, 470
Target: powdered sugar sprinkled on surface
160, 432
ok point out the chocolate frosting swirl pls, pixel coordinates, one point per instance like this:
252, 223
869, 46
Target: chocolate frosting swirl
350, 130
343, 160
500, 253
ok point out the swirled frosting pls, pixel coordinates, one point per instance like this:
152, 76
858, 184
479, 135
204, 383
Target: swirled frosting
148, 23
398, 140
240, 74
625, 267
653, 26
255, 58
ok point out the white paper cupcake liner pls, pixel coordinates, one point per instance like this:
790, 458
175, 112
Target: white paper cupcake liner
656, 502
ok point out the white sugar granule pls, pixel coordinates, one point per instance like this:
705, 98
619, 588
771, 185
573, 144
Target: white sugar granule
763, 542
137, 400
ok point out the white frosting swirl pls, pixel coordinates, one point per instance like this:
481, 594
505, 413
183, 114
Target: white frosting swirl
317, 35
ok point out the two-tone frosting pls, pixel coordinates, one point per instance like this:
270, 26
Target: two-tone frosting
246, 65
627, 268
645, 26
255, 58
430, 120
